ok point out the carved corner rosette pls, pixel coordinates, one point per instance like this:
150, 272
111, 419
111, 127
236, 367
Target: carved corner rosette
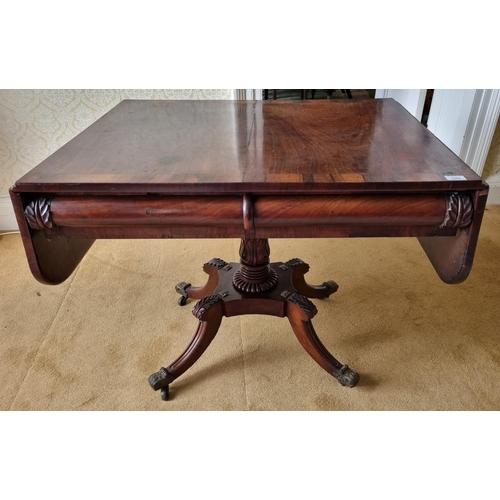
304, 303
203, 305
38, 214
459, 210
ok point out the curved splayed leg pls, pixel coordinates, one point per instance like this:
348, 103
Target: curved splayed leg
209, 311
212, 268
299, 312
300, 268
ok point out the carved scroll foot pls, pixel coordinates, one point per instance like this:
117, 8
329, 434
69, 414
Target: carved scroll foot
209, 311
300, 268
212, 268
299, 312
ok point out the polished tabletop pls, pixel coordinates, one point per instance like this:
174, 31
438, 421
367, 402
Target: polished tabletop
232, 147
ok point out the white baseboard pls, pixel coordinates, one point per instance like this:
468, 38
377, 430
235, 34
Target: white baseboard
8, 220
494, 194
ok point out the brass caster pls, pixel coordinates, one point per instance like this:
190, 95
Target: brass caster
165, 393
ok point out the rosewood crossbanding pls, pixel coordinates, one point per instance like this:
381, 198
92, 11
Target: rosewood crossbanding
251, 170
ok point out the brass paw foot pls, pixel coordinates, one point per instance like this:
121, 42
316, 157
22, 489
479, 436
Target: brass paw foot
346, 376
160, 381
330, 287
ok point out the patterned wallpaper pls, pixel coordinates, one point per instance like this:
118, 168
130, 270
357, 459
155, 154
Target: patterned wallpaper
492, 165
35, 123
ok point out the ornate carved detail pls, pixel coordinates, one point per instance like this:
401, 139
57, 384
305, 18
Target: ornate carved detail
304, 303
331, 287
203, 305
254, 251
243, 285
346, 376
160, 379
291, 263
459, 210
255, 274
218, 263
38, 213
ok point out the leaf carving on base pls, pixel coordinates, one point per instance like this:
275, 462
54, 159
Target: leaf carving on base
304, 303
203, 305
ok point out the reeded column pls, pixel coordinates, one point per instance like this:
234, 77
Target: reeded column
255, 274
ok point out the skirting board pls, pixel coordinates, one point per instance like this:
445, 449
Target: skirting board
494, 194
8, 219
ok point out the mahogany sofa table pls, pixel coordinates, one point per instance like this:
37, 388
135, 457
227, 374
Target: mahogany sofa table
251, 170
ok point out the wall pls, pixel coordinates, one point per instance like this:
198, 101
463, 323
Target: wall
35, 123
492, 165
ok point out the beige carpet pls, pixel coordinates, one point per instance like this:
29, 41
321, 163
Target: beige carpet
92, 342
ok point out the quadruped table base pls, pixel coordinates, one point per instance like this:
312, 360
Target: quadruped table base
254, 286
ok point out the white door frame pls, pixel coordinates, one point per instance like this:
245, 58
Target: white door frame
464, 120
481, 126
412, 99
247, 94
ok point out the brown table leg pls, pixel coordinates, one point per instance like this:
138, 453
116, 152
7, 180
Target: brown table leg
209, 312
254, 286
199, 292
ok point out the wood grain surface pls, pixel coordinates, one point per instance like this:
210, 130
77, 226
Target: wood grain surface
233, 147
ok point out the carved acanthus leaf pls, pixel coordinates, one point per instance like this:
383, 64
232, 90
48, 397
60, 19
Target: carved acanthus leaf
38, 214
203, 305
459, 210
304, 303
254, 252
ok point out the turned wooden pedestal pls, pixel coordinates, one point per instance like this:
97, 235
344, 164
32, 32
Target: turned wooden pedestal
254, 286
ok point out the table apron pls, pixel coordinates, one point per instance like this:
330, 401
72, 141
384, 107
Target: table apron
257, 212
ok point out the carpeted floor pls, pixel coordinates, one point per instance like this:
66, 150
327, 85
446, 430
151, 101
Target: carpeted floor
92, 342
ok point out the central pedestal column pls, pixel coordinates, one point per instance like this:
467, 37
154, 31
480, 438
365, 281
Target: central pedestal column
255, 274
